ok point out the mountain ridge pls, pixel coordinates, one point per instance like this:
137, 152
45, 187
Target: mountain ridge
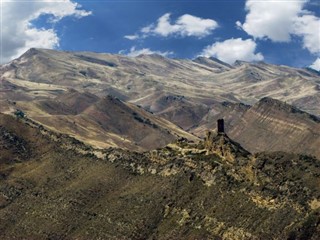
272, 125
186, 94
173, 63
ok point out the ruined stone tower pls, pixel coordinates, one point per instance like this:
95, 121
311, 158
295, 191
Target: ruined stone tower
220, 124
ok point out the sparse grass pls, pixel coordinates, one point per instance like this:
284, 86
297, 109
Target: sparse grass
60, 193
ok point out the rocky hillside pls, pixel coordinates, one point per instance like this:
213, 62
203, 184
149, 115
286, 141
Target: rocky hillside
100, 122
162, 99
54, 187
272, 125
47, 72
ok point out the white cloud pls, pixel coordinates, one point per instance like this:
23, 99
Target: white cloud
185, 26
146, 51
147, 29
233, 49
163, 27
278, 20
308, 27
316, 65
131, 37
195, 26
19, 34
271, 19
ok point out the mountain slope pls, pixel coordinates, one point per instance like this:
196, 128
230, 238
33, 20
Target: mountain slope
102, 122
183, 191
146, 75
189, 94
271, 125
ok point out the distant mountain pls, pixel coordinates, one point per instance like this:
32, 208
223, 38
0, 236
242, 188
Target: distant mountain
102, 146
101, 122
71, 92
47, 72
272, 125
213, 63
268, 125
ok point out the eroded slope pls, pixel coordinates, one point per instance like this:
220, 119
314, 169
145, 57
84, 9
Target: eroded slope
272, 125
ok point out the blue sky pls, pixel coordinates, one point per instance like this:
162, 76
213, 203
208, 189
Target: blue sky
279, 32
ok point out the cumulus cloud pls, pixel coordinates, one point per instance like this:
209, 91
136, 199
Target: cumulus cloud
279, 20
308, 27
233, 49
19, 34
133, 52
185, 26
271, 19
316, 65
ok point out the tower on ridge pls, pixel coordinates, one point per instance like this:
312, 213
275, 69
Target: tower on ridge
220, 124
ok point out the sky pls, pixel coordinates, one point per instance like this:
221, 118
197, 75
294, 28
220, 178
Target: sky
283, 32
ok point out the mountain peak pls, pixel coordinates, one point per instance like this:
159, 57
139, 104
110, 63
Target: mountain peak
36, 53
277, 105
219, 61
31, 52
239, 63
152, 56
212, 62
39, 50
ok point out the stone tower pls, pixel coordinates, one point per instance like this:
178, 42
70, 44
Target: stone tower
220, 124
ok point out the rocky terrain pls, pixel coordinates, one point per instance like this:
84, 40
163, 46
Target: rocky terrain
166, 98
101, 122
101, 146
54, 187
46, 72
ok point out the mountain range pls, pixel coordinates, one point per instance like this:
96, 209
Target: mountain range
168, 98
102, 146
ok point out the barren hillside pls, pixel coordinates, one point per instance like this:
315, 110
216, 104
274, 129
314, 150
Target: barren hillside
53, 187
148, 101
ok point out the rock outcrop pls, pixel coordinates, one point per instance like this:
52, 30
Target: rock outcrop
223, 146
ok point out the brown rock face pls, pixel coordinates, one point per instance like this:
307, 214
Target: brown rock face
224, 147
